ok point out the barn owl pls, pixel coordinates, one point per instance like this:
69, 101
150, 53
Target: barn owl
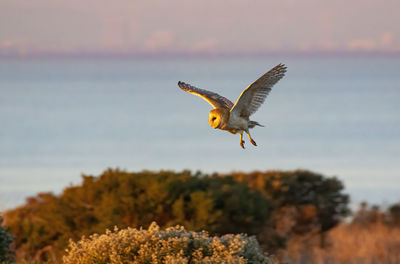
234, 118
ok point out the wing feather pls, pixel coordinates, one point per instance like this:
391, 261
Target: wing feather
214, 99
254, 95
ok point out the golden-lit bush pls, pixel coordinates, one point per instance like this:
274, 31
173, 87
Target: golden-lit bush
173, 245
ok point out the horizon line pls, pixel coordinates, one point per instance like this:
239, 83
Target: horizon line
132, 54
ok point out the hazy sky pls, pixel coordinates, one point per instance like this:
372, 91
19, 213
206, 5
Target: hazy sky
210, 26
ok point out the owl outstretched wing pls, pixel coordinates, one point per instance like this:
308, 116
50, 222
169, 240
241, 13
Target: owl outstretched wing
214, 99
254, 95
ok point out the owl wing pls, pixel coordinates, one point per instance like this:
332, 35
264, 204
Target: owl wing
214, 99
254, 95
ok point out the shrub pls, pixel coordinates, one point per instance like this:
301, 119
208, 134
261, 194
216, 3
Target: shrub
43, 226
174, 245
5, 241
303, 202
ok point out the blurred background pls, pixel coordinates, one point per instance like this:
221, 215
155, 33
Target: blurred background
89, 85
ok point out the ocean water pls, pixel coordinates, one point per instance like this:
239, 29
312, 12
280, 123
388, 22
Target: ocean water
63, 117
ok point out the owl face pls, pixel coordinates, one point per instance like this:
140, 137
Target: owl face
218, 117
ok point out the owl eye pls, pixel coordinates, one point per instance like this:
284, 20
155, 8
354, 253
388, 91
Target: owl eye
213, 118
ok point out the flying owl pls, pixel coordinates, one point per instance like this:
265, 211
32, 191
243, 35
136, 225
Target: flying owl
234, 118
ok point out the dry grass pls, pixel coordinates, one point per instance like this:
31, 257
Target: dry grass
348, 244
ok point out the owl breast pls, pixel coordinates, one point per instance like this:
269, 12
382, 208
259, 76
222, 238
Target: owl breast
236, 124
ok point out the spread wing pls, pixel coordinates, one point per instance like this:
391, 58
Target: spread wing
214, 99
254, 95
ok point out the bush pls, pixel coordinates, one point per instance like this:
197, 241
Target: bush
5, 241
174, 245
219, 205
275, 206
303, 203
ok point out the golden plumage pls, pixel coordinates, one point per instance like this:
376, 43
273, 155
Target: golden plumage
234, 118
218, 117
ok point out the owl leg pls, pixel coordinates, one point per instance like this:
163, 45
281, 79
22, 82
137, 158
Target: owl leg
241, 140
251, 140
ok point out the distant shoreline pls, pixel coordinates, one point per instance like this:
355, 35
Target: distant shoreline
132, 54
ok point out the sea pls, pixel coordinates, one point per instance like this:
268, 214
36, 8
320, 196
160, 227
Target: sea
63, 117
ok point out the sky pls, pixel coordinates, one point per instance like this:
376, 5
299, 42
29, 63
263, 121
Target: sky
198, 27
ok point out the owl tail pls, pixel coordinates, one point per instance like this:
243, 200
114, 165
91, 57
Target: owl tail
254, 123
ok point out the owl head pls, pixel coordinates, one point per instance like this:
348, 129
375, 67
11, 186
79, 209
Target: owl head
218, 117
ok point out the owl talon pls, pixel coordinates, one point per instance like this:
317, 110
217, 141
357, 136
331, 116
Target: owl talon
242, 143
253, 142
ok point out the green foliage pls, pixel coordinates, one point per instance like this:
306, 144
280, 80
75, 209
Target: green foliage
6, 254
220, 205
303, 202
174, 245
275, 206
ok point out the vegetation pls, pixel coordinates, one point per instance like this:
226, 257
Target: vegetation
297, 215
174, 245
373, 236
304, 203
6, 255
275, 206
219, 205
